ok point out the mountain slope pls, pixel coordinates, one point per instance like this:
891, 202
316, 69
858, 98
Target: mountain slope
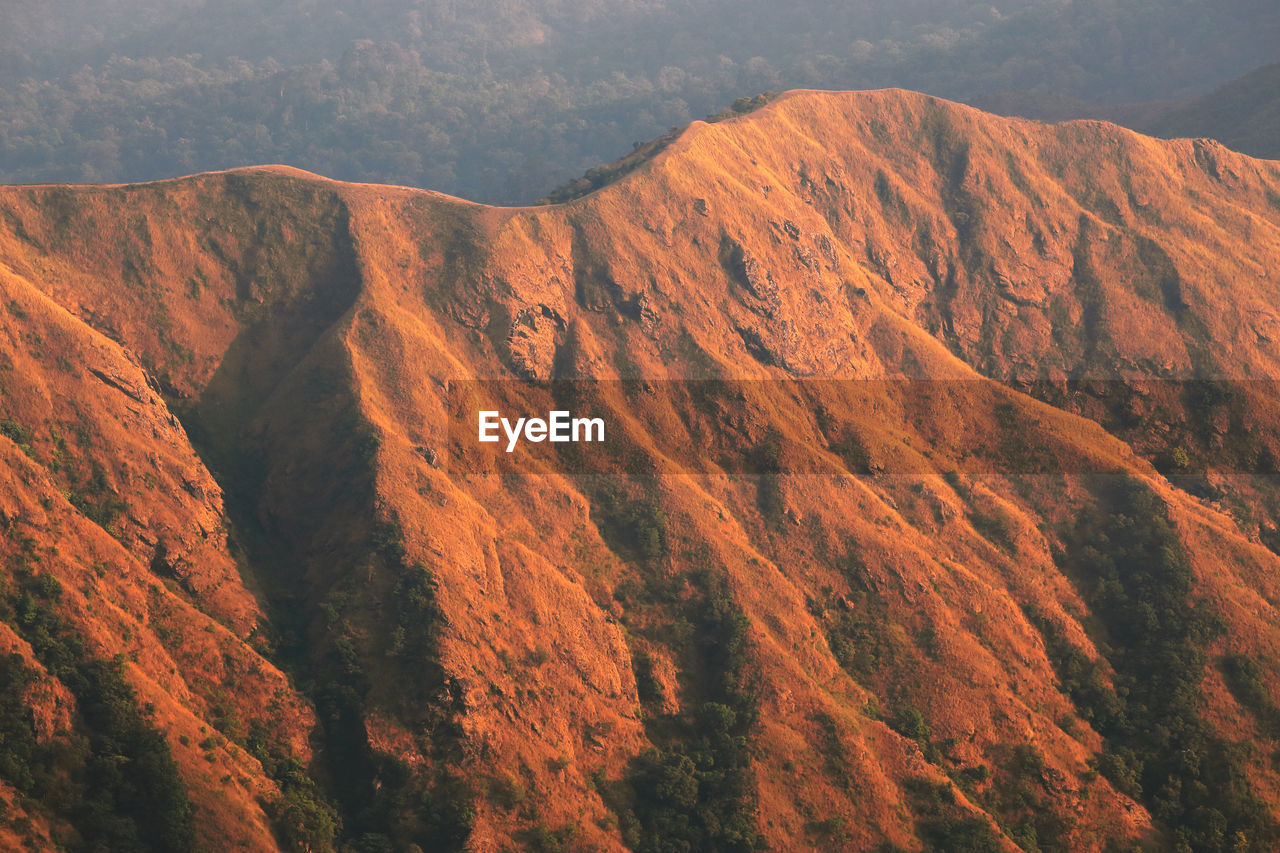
897, 627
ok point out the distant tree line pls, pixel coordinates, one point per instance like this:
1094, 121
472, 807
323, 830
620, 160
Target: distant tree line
503, 101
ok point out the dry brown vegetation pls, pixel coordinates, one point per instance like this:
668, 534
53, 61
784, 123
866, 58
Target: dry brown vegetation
224, 403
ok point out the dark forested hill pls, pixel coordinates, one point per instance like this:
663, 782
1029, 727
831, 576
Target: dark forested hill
1244, 115
501, 101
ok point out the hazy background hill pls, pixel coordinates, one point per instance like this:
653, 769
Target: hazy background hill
1243, 114
501, 101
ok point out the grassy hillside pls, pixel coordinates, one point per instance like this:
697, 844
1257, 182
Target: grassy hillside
994, 572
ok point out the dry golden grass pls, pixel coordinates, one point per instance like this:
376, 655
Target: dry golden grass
891, 236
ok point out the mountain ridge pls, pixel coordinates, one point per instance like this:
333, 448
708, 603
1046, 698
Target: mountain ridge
1113, 121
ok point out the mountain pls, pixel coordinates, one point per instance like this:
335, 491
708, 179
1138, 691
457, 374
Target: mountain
938, 509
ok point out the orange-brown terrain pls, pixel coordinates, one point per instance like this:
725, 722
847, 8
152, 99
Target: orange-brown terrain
235, 529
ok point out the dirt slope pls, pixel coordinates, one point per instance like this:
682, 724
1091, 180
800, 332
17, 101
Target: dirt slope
226, 417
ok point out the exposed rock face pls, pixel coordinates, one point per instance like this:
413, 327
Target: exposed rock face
225, 405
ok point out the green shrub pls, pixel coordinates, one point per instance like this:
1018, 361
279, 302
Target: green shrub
18, 434
122, 790
696, 790
635, 526
995, 527
942, 825
910, 723
1244, 678
21, 755
1124, 554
